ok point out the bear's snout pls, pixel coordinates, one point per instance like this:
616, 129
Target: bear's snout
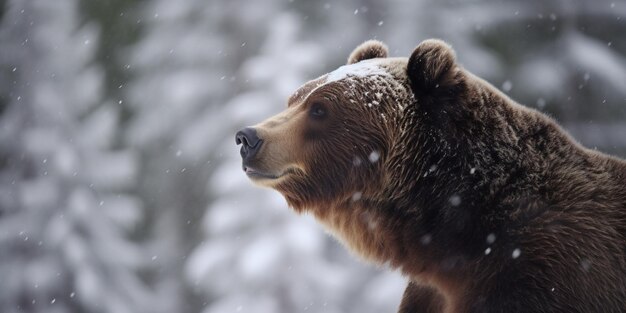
249, 141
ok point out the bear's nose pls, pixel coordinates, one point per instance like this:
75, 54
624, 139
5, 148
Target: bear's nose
249, 141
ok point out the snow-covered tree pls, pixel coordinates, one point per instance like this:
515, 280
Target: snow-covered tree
66, 213
183, 74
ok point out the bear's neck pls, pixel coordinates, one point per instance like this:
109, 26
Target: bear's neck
359, 225
383, 233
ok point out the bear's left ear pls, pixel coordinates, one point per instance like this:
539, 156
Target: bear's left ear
432, 68
368, 50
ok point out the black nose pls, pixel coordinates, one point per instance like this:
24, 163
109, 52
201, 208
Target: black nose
249, 141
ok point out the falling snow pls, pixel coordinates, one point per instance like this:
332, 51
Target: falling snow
374, 156
455, 200
507, 86
541, 103
516, 253
585, 264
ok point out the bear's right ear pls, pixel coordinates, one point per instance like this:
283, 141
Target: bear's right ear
368, 50
432, 67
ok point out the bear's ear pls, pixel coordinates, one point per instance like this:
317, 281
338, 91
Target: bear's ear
368, 50
432, 67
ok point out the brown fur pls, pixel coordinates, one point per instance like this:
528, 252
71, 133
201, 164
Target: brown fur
368, 50
485, 205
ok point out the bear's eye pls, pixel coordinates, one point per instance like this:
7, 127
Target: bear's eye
317, 110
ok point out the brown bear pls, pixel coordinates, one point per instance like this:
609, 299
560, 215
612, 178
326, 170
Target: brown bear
484, 204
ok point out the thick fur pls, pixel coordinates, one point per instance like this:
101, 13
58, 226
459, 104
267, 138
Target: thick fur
368, 50
485, 205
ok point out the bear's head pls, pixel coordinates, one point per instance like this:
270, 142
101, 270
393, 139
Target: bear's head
339, 139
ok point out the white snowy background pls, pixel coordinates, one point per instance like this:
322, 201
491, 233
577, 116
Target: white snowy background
120, 183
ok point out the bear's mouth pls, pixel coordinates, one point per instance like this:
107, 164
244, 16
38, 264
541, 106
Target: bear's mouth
256, 174
253, 173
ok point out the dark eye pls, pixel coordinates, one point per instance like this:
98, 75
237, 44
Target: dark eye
317, 110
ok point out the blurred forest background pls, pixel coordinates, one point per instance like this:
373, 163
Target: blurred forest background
120, 182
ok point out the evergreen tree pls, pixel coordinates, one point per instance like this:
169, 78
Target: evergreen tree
66, 212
